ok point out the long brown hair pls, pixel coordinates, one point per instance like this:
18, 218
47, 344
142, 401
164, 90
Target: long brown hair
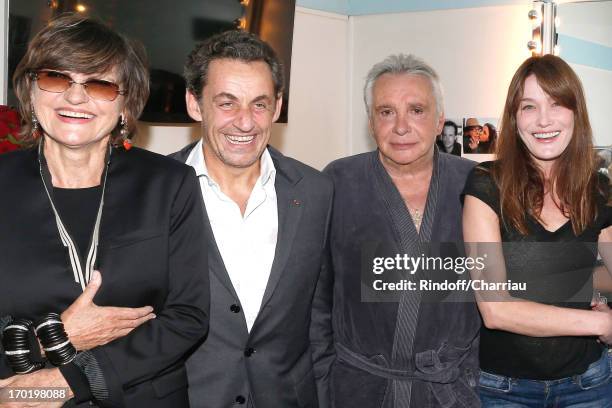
521, 182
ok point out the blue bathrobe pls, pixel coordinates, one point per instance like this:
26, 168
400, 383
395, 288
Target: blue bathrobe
409, 348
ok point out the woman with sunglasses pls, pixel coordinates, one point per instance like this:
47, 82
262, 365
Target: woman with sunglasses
542, 344
79, 201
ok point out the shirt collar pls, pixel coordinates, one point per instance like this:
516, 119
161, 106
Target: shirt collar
196, 160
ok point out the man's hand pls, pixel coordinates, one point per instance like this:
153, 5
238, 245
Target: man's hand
43, 388
89, 325
474, 141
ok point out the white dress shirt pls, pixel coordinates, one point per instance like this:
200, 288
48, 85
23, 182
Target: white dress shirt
247, 243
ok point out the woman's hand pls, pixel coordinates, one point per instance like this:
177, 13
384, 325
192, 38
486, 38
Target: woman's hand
606, 317
42, 381
89, 325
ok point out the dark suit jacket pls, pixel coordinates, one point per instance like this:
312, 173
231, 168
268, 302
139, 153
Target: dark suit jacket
152, 252
288, 353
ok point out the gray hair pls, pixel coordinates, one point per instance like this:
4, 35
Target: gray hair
403, 64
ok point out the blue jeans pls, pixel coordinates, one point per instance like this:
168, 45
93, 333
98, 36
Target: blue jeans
592, 389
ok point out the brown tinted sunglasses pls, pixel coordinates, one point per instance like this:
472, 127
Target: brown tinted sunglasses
53, 81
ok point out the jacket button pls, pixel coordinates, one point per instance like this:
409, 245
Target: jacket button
235, 308
240, 400
249, 352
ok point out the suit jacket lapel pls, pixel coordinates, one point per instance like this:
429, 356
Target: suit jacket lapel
215, 260
216, 264
290, 203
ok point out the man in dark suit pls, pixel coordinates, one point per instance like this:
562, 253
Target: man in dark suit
269, 343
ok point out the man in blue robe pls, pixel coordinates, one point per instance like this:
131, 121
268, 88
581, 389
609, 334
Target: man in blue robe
412, 347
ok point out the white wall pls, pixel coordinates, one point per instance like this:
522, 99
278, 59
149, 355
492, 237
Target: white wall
586, 20
592, 22
316, 133
475, 51
597, 84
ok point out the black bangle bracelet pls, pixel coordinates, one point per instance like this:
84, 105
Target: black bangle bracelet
16, 343
58, 348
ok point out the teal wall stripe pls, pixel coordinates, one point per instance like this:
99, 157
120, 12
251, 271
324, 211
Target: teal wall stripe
332, 6
577, 51
364, 7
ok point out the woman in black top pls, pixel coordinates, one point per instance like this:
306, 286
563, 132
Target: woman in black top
82, 200
542, 343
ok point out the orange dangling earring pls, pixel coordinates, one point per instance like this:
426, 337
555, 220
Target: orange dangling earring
35, 127
127, 143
